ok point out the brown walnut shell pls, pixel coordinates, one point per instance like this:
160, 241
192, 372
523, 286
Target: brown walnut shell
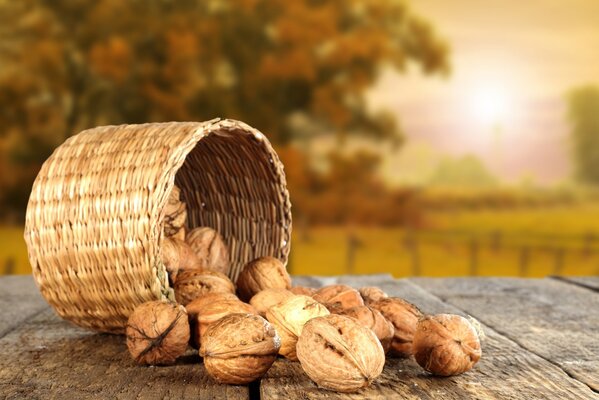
303, 290
210, 248
175, 213
267, 298
193, 308
239, 348
339, 354
262, 273
212, 312
446, 344
170, 258
370, 294
192, 284
187, 258
289, 317
157, 332
374, 320
404, 316
338, 297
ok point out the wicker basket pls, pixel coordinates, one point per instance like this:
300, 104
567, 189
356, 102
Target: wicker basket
94, 219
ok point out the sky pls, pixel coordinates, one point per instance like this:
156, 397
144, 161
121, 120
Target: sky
513, 62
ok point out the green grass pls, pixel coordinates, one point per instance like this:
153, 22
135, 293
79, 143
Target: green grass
323, 250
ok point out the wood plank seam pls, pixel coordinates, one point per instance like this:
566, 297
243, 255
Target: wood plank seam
23, 322
575, 283
507, 336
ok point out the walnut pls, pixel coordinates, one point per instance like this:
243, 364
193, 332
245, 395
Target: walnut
306, 291
157, 332
194, 283
193, 309
170, 258
404, 317
239, 348
338, 297
267, 298
446, 344
374, 320
187, 258
339, 354
370, 294
210, 248
175, 213
212, 312
289, 318
262, 273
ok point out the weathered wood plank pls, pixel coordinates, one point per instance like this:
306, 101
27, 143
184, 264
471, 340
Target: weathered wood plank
556, 320
506, 370
19, 300
590, 282
50, 358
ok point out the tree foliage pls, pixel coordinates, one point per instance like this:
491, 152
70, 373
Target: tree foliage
67, 65
583, 112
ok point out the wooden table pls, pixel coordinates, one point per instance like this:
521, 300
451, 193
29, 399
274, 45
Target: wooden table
542, 342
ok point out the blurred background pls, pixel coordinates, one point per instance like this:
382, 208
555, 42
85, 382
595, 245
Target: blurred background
419, 138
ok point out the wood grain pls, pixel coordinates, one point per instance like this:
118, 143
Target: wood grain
556, 320
506, 370
19, 300
590, 282
50, 358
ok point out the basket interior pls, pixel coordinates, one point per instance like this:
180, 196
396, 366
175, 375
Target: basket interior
232, 184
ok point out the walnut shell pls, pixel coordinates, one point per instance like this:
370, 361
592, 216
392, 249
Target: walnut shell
446, 344
374, 320
338, 297
267, 298
212, 312
196, 305
188, 260
306, 291
289, 317
262, 273
194, 283
170, 258
210, 248
404, 316
370, 294
157, 332
339, 354
175, 213
239, 348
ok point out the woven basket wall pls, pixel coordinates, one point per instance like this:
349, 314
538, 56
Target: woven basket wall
94, 219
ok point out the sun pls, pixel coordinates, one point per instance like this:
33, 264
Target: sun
490, 105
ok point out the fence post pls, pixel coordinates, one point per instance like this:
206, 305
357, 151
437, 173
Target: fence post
558, 265
589, 241
352, 244
496, 239
411, 244
473, 257
523, 261
9, 266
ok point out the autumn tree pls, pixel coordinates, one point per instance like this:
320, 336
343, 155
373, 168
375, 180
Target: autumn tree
67, 65
583, 112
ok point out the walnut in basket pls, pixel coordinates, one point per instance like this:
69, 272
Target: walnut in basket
262, 273
175, 213
194, 283
210, 248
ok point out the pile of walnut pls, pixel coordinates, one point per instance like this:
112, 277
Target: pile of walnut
339, 335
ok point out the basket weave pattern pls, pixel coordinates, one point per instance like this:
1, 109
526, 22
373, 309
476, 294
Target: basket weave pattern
94, 220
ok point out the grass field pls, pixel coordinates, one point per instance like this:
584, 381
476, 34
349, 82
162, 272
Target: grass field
530, 240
